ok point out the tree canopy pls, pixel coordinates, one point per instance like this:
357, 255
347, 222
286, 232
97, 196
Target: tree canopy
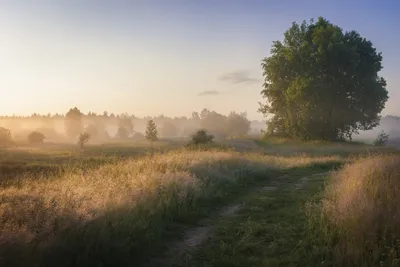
322, 83
151, 131
201, 137
237, 124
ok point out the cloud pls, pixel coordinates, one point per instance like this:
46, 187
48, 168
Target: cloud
212, 92
237, 77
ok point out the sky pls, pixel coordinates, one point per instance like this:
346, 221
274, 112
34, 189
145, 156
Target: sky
171, 57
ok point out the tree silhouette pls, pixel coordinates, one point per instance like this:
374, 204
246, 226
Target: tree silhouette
201, 137
5, 137
83, 139
322, 83
237, 124
151, 133
36, 138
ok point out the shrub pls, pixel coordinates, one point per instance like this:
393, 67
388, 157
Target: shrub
36, 138
362, 215
201, 137
5, 137
381, 139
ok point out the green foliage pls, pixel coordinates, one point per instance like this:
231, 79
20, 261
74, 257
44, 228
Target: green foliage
381, 139
151, 131
201, 137
5, 137
73, 123
83, 139
36, 138
322, 83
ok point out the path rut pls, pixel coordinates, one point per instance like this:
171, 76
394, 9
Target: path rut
195, 236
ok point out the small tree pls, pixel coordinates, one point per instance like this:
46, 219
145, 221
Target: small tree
5, 137
201, 137
83, 139
36, 138
151, 133
381, 139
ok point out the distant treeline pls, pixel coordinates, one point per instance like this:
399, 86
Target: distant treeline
107, 125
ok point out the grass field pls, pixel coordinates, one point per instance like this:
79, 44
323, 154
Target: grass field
118, 205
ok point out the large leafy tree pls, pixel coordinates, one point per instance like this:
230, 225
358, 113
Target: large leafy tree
322, 83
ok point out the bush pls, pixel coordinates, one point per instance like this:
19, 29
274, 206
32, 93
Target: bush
381, 139
5, 137
361, 213
201, 137
36, 138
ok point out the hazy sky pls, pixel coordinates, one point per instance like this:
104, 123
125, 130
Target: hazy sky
167, 56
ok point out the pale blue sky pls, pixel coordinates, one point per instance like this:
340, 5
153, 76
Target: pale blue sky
171, 57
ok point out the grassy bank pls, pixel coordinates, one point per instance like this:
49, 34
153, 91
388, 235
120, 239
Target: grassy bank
356, 222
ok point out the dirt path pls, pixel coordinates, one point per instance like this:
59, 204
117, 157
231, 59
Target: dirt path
304, 180
195, 236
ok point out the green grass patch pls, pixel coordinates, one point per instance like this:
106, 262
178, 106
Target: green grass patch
268, 231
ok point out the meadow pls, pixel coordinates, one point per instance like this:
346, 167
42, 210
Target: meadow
118, 204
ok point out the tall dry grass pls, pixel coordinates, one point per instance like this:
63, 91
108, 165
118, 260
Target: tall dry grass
116, 215
361, 213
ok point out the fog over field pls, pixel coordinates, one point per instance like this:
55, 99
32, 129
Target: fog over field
105, 127
188, 133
